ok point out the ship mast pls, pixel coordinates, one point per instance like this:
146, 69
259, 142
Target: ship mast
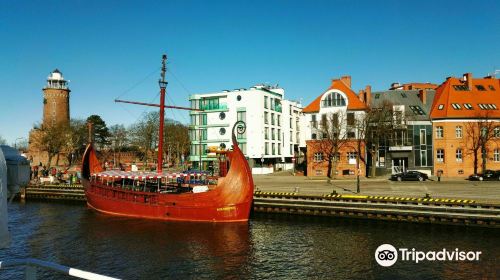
163, 85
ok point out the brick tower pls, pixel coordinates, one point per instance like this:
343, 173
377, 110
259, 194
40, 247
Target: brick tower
55, 100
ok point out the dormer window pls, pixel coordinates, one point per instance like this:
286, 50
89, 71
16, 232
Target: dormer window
456, 106
480, 87
333, 99
440, 107
460, 87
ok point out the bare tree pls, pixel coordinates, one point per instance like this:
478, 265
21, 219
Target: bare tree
378, 125
119, 140
479, 134
144, 134
52, 139
2, 141
76, 139
177, 142
332, 136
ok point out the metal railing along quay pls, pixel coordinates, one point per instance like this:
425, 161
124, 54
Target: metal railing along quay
408, 209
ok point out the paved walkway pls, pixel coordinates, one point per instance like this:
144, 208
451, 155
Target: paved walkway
453, 188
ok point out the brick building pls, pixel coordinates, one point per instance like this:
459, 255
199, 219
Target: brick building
465, 113
331, 131
55, 112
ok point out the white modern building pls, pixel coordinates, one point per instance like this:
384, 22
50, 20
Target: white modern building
272, 139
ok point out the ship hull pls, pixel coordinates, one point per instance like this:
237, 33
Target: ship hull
228, 201
168, 207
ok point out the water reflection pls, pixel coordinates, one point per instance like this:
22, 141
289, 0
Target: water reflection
268, 247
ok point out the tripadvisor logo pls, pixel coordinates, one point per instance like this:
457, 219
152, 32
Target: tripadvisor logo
387, 255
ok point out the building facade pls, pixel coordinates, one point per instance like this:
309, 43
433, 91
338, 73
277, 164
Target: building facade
56, 100
272, 137
56, 95
465, 118
332, 136
407, 145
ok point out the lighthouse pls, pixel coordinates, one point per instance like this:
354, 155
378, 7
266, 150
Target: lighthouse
56, 100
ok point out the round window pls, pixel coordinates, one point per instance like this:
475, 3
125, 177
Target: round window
222, 145
222, 115
222, 131
238, 97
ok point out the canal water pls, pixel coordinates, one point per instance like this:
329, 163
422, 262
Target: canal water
268, 247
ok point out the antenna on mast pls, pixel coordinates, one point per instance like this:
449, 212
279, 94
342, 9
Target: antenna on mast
162, 81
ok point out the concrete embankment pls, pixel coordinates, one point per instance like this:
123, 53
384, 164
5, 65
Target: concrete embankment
408, 209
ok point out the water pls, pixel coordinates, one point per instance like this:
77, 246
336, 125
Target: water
268, 247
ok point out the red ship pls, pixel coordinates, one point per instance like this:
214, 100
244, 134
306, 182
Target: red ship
187, 196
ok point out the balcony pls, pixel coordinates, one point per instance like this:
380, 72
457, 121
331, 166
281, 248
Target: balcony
276, 107
213, 107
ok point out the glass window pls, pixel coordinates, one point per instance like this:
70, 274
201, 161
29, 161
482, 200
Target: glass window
422, 137
279, 134
439, 132
496, 132
351, 157
323, 120
272, 133
266, 117
333, 99
496, 155
440, 107
318, 157
440, 155
350, 118
242, 116
458, 154
480, 87
265, 102
266, 147
423, 158
274, 149
272, 118
458, 132
222, 131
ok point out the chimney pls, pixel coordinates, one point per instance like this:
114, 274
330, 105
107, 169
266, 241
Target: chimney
368, 95
346, 80
361, 95
422, 94
468, 80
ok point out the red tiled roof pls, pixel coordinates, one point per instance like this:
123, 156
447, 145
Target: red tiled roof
353, 102
447, 96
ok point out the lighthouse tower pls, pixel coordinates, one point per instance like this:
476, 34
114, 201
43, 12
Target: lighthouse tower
56, 100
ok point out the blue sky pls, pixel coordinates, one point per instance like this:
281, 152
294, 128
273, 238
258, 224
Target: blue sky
110, 49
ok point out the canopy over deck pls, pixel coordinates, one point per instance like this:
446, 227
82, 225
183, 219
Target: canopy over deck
141, 175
